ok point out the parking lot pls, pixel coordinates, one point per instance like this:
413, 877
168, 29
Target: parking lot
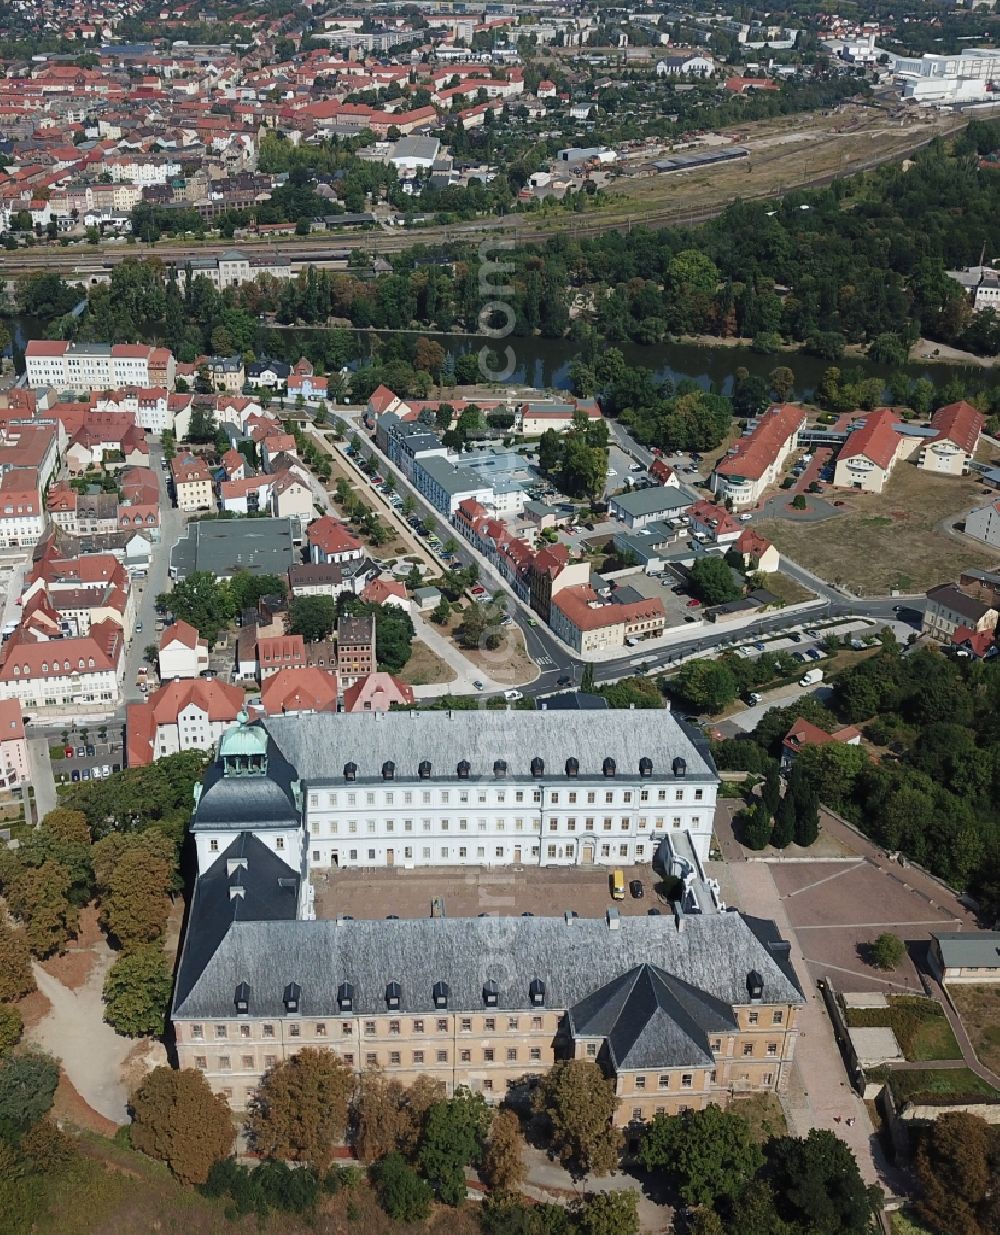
503, 891
85, 756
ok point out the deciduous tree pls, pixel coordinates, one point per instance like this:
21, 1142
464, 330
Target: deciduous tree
299, 1112
312, 617
818, 1187
27, 1089
704, 1154
503, 1162
403, 1195
39, 896
609, 1213
11, 1028
16, 978
134, 902
580, 1102
178, 1120
887, 951
453, 1138
137, 992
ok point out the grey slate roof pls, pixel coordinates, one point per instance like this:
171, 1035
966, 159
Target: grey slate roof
714, 953
270, 893
248, 802
653, 499
224, 546
648, 1016
320, 749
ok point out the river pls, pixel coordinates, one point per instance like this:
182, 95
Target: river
545, 363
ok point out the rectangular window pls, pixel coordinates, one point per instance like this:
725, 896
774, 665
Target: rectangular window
442, 1024
487, 1054
490, 1024
591, 1049
349, 1059
371, 1060
197, 1033
321, 1029
772, 1048
346, 1027
747, 1048
536, 1022
369, 1027
394, 1026
664, 1081
753, 1018
418, 1026
465, 1056
221, 1031
535, 1053
201, 1061
466, 1025
394, 1057
777, 1017
442, 1056
637, 1114
418, 1057
687, 1080
294, 1031
512, 1054
640, 1082
512, 1022
224, 1063
247, 1061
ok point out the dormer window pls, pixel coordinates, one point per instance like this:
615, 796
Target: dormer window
536, 992
645, 767
491, 993
388, 770
537, 766
345, 997
464, 768
755, 986
350, 771
242, 999
393, 995
440, 994
500, 768
292, 998
609, 767
424, 769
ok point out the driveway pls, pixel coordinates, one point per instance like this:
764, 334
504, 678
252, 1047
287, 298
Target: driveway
74, 1031
466, 671
42, 780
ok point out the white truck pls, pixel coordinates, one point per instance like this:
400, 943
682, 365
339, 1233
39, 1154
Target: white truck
811, 678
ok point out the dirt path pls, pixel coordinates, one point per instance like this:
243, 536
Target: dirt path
74, 1031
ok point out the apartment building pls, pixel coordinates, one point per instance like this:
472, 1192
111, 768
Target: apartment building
868, 456
193, 485
680, 1010
58, 673
331, 543
182, 652
356, 656
948, 608
14, 765
754, 463
22, 516
97, 366
957, 430
590, 623
181, 715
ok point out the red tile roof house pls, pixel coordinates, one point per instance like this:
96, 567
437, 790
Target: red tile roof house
182, 715
56, 673
377, 692
664, 473
182, 653
386, 592
14, 766
330, 542
804, 733
757, 551
978, 643
581, 619
743, 474
868, 456
958, 427
714, 522
276, 652
292, 691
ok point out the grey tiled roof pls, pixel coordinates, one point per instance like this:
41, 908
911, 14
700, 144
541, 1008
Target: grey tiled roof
244, 803
648, 1016
320, 749
714, 953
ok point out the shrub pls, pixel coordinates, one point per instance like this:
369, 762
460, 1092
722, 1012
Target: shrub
403, 1195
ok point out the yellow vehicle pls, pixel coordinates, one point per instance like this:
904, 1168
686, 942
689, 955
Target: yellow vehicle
618, 885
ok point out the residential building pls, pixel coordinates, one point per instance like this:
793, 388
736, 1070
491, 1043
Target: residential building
180, 715
182, 652
194, 489
308, 579
291, 496
22, 517
804, 733
225, 372
376, 692
277, 652
550, 572
14, 766
685, 64
384, 591
96, 366
50, 674
589, 623
754, 463
757, 552
713, 523
290, 692
984, 523
958, 427
330, 542
949, 608
355, 648
868, 456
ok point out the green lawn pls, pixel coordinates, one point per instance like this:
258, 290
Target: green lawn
913, 1084
920, 1026
902, 1224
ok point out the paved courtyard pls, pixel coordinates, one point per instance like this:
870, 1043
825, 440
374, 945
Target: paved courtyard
503, 891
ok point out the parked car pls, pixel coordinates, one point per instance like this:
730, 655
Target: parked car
694, 603
85, 774
564, 680
69, 752
635, 887
512, 695
106, 769
76, 774
81, 752
746, 517
478, 685
91, 752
